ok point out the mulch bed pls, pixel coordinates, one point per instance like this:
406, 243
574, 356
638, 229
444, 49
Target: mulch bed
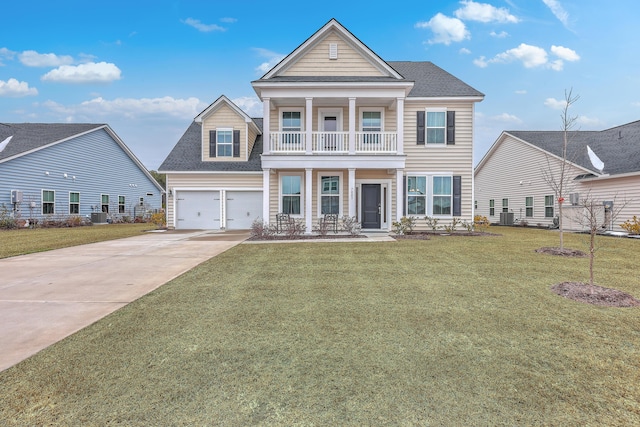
561, 252
309, 237
593, 294
426, 235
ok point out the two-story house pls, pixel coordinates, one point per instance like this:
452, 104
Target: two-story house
343, 132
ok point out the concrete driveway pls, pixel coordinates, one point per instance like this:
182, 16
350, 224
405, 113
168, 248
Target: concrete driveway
48, 296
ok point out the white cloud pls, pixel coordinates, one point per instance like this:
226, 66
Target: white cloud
481, 62
446, 30
558, 11
5, 54
590, 122
530, 56
129, 108
483, 12
15, 89
228, 20
507, 118
273, 59
91, 72
556, 65
565, 53
556, 104
205, 28
250, 105
521, 92
464, 51
500, 35
31, 58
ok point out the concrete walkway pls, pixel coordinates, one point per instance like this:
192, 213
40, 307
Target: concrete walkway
48, 296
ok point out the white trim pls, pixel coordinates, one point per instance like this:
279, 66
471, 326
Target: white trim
291, 110
172, 172
42, 202
330, 112
319, 176
108, 202
124, 204
426, 127
223, 129
302, 192
384, 183
362, 110
336, 162
78, 193
429, 196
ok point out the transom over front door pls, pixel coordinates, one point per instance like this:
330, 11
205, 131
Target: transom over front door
371, 208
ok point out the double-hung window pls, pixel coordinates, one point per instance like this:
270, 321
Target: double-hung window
330, 195
48, 201
74, 203
442, 195
371, 126
105, 203
430, 195
416, 195
548, 206
291, 194
492, 207
505, 205
291, 126
436, 127
224, 142
528, 207
121, 204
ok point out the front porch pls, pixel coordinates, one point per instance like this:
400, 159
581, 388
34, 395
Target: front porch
373, 197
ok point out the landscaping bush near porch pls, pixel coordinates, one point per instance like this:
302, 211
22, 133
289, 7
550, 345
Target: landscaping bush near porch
446, 331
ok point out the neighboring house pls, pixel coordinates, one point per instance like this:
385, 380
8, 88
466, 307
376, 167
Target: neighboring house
56, 170
510, 177
343, 133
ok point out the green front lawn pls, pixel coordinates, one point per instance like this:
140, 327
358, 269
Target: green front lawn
448, 331
26, 241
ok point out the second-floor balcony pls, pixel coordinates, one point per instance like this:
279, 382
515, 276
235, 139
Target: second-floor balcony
333, 143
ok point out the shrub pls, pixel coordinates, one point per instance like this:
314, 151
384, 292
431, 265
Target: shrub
158, 219
468, 226
296, 228
322, 228
481, 223
631, 226
351, 225
432, 222
450, 228
262, 230
405, 225
7, 222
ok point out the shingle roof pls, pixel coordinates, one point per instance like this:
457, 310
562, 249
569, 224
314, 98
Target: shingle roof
186, 156
432, 81
30, 136
618, 147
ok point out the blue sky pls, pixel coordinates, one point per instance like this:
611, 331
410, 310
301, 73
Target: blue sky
147, 68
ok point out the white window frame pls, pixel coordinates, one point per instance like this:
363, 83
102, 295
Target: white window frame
320, 175
505, 206
434, 195
53, 203
283, 110
219, 131
425, 195
123, 204
492, 207
102, 203
547, 206
426, 127
302, 186
430, 193
529, 207
74, 203
362, 110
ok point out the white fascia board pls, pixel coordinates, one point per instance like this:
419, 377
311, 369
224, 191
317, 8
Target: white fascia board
333, 162
172, 172
607, 176
450, 99
367, 90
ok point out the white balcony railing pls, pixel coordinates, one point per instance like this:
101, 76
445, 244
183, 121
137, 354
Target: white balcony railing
376, 142
333, 142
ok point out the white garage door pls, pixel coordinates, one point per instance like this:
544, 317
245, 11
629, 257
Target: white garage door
198, 210
243, 207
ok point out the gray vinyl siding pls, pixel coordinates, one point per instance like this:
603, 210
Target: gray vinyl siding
99, 165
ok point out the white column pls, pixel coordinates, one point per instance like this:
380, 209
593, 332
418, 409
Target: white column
400, 125
266, 137
352, 193
308, 115
308, 196
352, 125
266, 175
399, 194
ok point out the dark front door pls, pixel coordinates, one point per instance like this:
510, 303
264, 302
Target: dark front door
371, 206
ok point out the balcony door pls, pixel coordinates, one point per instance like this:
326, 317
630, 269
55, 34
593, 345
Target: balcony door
331, 126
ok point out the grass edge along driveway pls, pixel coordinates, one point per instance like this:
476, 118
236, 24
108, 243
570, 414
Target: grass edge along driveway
448, 331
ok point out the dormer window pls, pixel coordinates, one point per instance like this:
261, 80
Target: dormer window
224, 142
